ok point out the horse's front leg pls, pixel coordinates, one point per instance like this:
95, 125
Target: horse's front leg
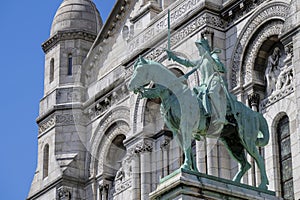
187, 150
187, 159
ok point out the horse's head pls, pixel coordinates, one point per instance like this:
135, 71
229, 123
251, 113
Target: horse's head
140, 77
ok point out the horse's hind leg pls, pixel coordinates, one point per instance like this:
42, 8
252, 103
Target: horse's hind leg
237, 151
261, 165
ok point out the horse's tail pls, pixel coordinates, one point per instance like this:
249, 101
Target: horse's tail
263, 134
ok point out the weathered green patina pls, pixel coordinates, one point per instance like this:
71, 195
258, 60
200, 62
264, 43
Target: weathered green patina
201, 112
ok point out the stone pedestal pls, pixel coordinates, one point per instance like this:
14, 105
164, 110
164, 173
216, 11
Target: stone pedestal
187, 185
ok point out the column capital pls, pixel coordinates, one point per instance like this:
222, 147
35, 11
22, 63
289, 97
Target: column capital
64, 193
103, 185
165, 142
145, 145
254, 99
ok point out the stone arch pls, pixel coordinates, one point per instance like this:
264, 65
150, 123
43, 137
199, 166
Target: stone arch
112, 150
270, 29
273, 11
115, 122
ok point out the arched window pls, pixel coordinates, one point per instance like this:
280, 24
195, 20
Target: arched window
70, 65
285, 158
46, 161
51, 73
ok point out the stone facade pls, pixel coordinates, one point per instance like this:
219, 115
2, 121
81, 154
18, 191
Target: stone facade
97, 140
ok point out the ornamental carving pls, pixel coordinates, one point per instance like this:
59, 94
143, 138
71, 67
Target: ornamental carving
143, 146
271, 11
64, 193
62, 120
103, 104
254, 99
47, 124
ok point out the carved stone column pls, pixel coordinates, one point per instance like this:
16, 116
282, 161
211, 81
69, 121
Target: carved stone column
165, 149
212, 157
201, 157
103, 190
136, 187
144, 148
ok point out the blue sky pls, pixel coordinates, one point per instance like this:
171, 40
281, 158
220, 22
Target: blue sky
25, 25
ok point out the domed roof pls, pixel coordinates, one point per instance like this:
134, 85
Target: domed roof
76, 15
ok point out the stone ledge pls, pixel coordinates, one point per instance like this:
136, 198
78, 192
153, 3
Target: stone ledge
187, 185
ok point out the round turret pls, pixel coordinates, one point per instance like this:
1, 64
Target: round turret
75, 15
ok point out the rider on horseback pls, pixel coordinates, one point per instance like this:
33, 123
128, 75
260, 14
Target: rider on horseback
212, 89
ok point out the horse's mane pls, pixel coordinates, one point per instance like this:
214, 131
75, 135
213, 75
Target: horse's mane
160, 70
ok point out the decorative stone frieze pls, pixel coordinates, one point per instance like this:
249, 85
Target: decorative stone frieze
47, 124
60, 120
67, 35
270, 11
240, 9
101, 105
64, 193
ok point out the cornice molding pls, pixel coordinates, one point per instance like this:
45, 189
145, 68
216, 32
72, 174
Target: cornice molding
67, 35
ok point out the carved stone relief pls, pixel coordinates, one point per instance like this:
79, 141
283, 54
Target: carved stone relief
284, 87
60, 120
123, 176
272, 70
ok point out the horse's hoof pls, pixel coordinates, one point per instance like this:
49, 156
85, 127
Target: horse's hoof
263, 187
185, 166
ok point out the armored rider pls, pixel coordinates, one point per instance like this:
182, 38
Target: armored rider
212, 87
